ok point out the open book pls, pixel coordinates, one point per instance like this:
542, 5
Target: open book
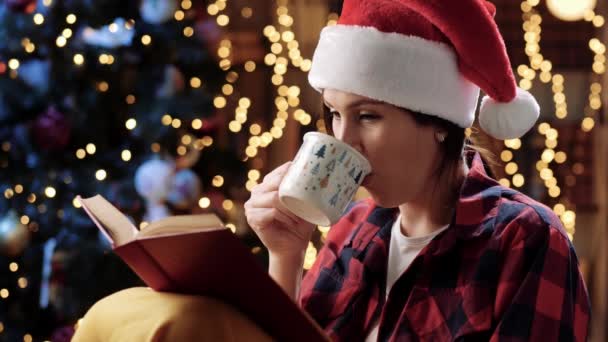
197, 255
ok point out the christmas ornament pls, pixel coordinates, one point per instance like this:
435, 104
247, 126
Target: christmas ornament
51, 130
35, 73
186, 189
153, 182
119, 33
25, 6
173, 82
186, 161
208, 32
157, 11
14, 235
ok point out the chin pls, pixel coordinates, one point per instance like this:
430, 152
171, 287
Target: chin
381, 200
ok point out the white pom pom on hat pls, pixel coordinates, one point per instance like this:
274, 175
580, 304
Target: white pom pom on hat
429, 56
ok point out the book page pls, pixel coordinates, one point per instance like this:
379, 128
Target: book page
182, 224
109, 219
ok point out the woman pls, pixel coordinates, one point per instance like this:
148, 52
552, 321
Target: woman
440, 251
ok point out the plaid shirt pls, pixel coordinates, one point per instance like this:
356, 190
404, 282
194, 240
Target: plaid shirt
505, 270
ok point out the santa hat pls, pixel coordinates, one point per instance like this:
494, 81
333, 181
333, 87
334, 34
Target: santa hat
428, 56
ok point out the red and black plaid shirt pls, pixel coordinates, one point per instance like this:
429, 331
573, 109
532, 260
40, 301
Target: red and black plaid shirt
505, 270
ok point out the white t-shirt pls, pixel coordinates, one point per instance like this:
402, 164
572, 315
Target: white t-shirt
401, 252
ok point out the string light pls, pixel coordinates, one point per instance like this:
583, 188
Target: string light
50, 192
532, 21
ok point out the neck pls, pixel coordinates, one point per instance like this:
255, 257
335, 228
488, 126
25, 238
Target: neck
432, 210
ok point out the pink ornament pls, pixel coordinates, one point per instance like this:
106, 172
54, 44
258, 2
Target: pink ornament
25, 6
51, 130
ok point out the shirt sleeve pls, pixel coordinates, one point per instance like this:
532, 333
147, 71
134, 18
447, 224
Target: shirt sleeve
541, 295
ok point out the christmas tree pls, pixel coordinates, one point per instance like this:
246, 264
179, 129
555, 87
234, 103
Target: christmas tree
109, 97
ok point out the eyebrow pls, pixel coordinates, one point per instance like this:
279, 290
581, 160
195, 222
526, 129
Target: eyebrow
356, 103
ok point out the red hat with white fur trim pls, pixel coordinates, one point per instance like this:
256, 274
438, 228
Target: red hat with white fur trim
428, 56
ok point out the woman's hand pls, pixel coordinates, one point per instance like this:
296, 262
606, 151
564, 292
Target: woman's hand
284, 234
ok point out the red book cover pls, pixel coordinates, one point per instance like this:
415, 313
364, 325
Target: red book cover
208, 261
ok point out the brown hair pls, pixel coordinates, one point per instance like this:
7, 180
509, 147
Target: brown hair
455, 145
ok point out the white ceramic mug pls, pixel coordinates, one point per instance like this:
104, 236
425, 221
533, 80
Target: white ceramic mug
322, 179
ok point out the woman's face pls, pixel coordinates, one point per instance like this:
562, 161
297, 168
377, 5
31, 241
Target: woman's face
403, 154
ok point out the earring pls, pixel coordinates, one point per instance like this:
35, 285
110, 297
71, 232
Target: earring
440, 137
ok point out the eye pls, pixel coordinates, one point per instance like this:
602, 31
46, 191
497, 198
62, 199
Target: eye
335, 115
368, 116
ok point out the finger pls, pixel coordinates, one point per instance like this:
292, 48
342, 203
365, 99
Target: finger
262, 218
271, 200
272, 180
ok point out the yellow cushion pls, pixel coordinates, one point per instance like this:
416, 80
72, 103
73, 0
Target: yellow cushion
142, 314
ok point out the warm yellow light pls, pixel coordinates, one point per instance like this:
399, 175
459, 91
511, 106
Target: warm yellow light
227, 204
554, 191
234, 126
9, 193
50, 192
125, 155
587, 124
70, 19
250, 66
101, 174
246, 12
13, 266
244, 102
560, 157
227, 89
552, 134
204, 202
38, 19
219, 102
78, 59
548, 155
223, 20
22, 282
306, 65
253, 175
179, 15
255, 141
4, 293
166, 120
255, 129
251, 151
197, 123
24, 219
131, 124
218, 181
146, 39
546, 173
13, 64
103, 86
511, 168
61, 41
212, 9
188, 31
176, 123
195, 82
570, 10
186, 4
18, 188
207, 141
91, 148
598, 21
518, 180
559, 209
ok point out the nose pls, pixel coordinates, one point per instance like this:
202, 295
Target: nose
348, 133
